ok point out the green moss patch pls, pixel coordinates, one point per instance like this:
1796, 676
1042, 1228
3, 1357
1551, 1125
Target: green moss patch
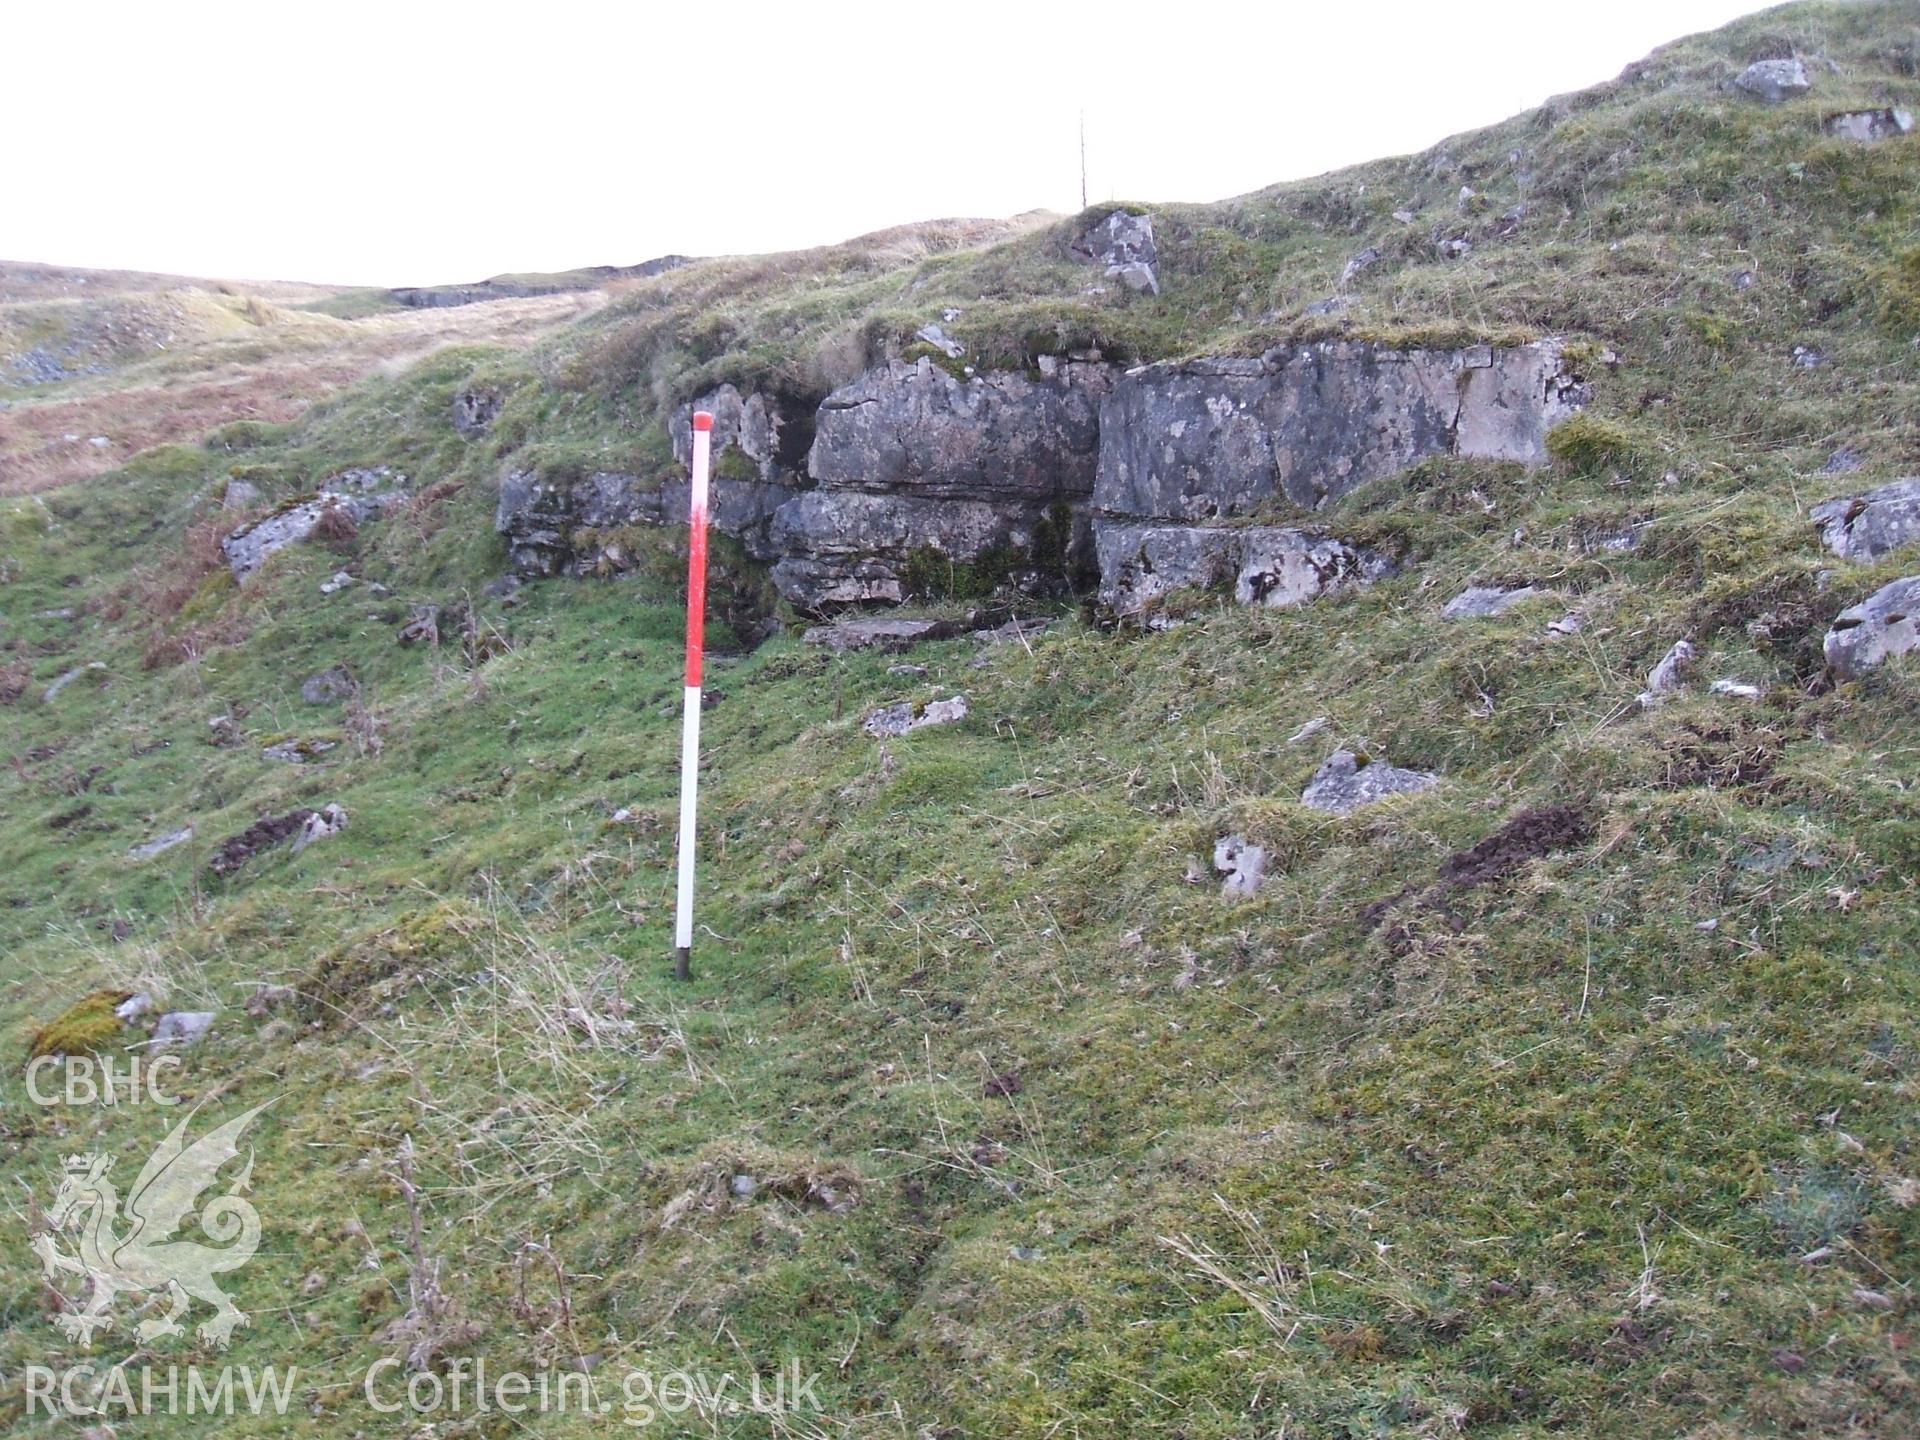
86, 1027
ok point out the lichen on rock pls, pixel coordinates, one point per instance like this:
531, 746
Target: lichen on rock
1349, 779
1212, 438
1885, 624
1274, 567
1867, 526
348, 499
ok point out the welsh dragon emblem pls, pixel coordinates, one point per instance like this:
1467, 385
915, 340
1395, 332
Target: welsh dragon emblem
145, 1256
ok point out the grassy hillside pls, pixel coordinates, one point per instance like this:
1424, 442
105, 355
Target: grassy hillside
96, 366
1607, 1129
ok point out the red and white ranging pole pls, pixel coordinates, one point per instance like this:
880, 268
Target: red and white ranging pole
690, 724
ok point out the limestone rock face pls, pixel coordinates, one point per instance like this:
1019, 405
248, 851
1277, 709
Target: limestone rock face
937, 337
888, 635
913, 429
542, 518
1244, 865
847, 547
1123, 244
753, 424
160, 844
1670, 674
134, 1006
318, 825
1879, 627
1360, 261
1870, 125
354, 495
903, 716
909, 460
423, 628
1346, 781
474, 411
556, 527
1865, 527
743, 509
1263, 565
181, 1027
1480, 601
1206, 439
1772, 81
912, 468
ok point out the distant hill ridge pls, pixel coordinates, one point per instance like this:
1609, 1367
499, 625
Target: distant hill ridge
511, 287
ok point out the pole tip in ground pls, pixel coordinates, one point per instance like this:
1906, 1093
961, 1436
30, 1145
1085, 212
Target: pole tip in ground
702, 420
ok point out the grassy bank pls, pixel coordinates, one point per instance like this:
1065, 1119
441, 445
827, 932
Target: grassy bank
1608, 1130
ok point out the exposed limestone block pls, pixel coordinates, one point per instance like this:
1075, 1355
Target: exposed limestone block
1207, 439
1885, 624
1865, 527
1262, 565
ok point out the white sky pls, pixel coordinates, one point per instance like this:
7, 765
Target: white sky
417, 143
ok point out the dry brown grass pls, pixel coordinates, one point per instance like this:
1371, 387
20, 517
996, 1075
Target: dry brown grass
25, 281
15, 677
282, 363
336, 527
162, 590
167, 648
36, 455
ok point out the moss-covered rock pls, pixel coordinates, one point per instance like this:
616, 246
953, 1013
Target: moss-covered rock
86, 1027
